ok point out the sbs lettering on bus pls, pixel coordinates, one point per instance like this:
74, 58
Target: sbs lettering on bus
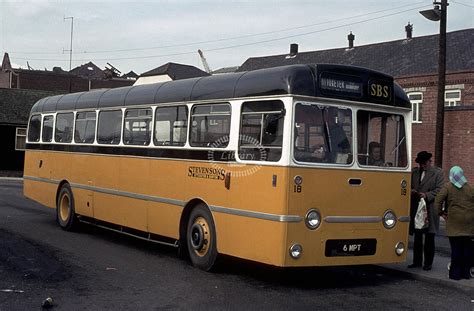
380, 90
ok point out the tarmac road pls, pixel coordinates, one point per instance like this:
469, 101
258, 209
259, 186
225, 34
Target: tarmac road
96, 269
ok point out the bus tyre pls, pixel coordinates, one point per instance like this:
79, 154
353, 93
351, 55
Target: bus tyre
65, 212
201, 238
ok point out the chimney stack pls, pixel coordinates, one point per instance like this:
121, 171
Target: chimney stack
6, 65
351, 38
409, 30
293, 49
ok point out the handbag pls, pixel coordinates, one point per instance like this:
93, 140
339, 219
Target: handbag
421, 216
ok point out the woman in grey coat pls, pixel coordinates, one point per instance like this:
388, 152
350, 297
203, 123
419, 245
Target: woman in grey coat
426, 181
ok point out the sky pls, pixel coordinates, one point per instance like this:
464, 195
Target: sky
142, 35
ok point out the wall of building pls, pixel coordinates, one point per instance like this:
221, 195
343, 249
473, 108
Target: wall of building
459, 140
15, 106
458, 128
12, 160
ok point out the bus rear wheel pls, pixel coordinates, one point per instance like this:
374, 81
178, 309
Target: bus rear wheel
201, 238
65, 212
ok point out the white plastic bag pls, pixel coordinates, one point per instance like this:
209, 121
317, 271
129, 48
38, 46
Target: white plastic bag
421, 217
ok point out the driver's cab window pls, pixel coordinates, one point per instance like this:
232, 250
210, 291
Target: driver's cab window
381, 139
322, 134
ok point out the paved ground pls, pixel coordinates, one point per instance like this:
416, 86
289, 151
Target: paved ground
439, 273
95, 269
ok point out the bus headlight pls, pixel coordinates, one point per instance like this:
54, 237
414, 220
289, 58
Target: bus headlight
389, 219
312, 219
399, 248
295, 251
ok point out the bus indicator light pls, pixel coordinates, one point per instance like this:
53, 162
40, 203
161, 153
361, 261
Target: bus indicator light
400, 248
295, 251
313, 219
389, 219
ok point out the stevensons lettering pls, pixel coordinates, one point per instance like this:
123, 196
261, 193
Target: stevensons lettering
206, 172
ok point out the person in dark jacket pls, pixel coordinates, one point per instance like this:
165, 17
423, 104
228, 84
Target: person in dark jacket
458, 198
426, 181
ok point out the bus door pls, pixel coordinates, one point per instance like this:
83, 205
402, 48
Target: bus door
257, 188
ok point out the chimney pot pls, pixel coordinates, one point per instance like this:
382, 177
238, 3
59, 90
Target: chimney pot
293, 49
409, 30
351, 38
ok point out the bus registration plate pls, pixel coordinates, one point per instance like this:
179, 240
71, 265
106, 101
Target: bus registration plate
358, 247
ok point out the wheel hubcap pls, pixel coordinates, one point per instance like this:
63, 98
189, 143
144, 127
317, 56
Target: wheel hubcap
200, 236
64, 207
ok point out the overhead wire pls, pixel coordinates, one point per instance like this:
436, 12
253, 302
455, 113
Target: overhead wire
464, 4
222, 39
227, 47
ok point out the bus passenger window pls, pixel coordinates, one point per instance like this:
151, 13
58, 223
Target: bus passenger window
109, 128
63, 130
48, 129
137, 127
85, 127
210, 126
323, 134
34, 129
261, 131
381, 139
171, 126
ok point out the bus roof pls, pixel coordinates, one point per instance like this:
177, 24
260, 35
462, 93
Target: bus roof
345, 82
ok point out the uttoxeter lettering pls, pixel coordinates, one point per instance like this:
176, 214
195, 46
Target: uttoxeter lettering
206, 172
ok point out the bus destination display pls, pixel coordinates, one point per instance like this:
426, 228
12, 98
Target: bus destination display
335, 84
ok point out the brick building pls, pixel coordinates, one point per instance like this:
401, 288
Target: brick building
414, 64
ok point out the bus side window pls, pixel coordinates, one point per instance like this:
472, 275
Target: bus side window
137, 127
48, 129
85, 127
109, 128
171, 125
63, 130
210, 126
34, 128
261, 131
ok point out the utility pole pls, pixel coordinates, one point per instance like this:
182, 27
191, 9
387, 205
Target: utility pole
441, 86
439, 13
70, 46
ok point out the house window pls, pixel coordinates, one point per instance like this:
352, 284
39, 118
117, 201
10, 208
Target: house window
20, 139
416, 100
452, 98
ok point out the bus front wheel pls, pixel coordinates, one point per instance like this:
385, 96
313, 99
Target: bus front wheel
201, 238
65, 213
